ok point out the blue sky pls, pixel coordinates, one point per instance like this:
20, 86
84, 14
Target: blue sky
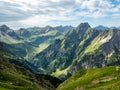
29, 13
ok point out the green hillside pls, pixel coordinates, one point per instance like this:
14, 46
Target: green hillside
107, 78
13, 77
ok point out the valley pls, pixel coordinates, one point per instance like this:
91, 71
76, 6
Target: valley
75, 55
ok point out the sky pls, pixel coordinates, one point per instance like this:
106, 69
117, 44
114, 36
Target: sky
29, 13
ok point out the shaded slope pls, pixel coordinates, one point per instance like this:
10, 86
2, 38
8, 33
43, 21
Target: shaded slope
16, 78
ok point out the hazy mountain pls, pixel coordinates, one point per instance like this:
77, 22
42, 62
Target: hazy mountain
30, 40
115, 28
5, 29
64, 29
100, 27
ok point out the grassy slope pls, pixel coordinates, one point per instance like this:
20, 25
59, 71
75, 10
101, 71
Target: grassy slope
16, 78
94, 79
98, 41
31, 52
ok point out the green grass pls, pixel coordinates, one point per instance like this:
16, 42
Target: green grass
93, 79
97, 42
50, 33
42, 47
13, 77
59, 72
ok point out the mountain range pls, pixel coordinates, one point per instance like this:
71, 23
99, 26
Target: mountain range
62, 52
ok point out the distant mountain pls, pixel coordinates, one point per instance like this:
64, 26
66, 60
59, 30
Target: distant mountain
4, 37
100, 27
30, 40
82, 47
115, 28
5, 29
64, 29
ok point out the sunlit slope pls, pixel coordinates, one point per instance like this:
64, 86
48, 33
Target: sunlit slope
107, 78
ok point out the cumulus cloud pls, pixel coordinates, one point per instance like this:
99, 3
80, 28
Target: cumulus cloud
31, 12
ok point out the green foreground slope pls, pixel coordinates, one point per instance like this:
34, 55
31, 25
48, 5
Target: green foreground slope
13, 77
107, 78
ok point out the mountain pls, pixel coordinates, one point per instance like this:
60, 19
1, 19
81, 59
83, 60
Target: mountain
13, 77
93, 79
64, 29
115, 28
27, 42
100, 27
59, 56
103, 51
6, 38
6, 30
82, 47
46, 50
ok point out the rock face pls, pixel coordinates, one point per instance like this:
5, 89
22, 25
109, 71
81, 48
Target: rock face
82, 47
108, 53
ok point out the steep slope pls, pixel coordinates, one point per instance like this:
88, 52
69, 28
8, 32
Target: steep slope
13, 77
16, 53
26, 43
6, 38
107, 78
5, 29
104, 50
60, 55
37, 39
81, 48
21, 45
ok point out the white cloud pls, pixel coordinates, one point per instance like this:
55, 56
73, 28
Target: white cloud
41, 12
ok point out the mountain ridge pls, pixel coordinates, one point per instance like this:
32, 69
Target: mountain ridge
76, 49
79, 48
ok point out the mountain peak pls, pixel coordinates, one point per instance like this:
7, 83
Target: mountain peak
49, 28
82, 27
4, 28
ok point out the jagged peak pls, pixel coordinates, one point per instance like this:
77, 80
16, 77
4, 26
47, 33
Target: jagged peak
85, 24
82, 27
4, 27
